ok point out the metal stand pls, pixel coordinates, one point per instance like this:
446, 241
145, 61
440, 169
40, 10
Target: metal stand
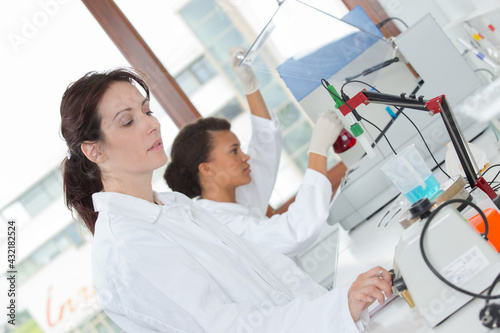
435, 105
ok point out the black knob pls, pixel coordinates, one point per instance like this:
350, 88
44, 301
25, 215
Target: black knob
421, 208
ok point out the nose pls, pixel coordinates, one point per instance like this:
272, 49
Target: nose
152, 124
245, 157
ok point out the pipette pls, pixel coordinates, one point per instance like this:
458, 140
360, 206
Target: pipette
478, 54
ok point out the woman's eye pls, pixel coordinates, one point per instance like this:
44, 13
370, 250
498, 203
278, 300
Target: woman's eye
128, 124
149, 113
234, 151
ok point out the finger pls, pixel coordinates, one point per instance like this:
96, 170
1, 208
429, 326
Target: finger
373, 293
376, 282
362, 296
374, 272
386, 276
382, 285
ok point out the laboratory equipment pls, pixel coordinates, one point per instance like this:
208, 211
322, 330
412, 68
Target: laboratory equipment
365, 189
454, 250
344, 142
435, 105
304, 45
478, 54
356, 128
411, 175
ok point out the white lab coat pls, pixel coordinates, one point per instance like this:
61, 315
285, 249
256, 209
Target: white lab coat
290, 233
172, 268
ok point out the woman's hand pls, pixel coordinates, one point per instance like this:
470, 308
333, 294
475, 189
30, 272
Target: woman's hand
244, 73
368, 287
326, 131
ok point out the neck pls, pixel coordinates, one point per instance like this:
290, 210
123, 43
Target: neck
136, 186
219, 194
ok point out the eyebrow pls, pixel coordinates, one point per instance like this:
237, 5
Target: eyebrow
129, 109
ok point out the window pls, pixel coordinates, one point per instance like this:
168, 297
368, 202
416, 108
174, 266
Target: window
43, 193
210, 30
49, 251
229, 111
193, 77
99, 323
195, 11
24, 323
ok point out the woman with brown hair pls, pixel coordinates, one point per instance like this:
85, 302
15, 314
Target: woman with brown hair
160, 262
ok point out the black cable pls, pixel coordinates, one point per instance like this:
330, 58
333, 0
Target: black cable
490, 167
498, 173
426, 260
373, 68
404, 114
356, 81
369, 122
381, 24
425, 143
323, 81
490, 291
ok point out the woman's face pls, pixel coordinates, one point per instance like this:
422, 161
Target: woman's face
132, 139
228, 164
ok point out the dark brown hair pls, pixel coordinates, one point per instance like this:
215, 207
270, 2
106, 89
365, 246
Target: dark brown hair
191, 147
80, 122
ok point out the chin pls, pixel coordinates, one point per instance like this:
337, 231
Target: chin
161, 161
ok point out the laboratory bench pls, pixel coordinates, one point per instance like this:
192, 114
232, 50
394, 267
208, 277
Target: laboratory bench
372, 243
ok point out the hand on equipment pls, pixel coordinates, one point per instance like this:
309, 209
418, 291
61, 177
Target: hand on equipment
244, 73
326, 131
368, 287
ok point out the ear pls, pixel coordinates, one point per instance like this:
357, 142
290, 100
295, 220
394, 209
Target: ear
92, 151
204, 169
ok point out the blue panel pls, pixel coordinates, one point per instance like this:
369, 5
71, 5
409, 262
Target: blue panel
329, 59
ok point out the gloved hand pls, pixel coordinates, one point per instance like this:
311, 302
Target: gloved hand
244, 73
326, 131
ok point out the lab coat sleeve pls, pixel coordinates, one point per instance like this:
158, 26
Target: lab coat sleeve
264, 150
171, 291
294, 231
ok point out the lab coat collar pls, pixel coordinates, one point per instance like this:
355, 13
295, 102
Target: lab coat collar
130, 206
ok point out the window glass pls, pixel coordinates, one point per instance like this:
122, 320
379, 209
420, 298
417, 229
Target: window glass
195, 11
62, 242
35, 199
288, 115
296, 140
302, 160
274, 96
212, 28
226, 40
229, 111
74, 235
53, 184
188, 82
203, 70
101, 328
46, 253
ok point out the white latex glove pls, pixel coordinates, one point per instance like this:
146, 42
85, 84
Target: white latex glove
326, 131
244, 73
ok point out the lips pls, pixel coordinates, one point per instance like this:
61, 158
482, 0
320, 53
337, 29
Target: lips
157, 145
